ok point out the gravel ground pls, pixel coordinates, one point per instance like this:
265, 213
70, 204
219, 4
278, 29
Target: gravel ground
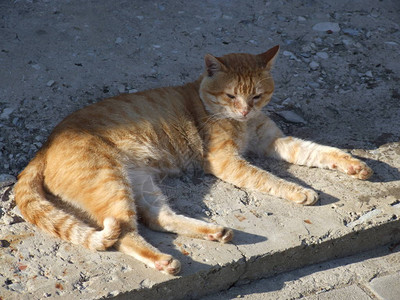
337, 76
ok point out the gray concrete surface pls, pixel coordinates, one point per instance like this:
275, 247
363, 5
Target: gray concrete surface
336, 83
369, 275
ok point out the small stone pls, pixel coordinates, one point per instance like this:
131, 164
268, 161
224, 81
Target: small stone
291, 116
350, 31
6, 180
121, 88
301, 19
391, 43
314, 84
36, 66
369, 74
118, 40
326, 27
314, 65
4, 243
289, 103
6, 113
131, 91
347, 42
147, 283
17, 212
291, 55
323, 55
50, 83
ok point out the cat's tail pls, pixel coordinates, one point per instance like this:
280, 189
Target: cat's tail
31, 200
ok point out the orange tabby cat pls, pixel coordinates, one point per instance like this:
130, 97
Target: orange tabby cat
103, 159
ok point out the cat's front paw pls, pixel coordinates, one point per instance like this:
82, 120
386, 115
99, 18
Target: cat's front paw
303, 196
353, 167
168, 265
223, 235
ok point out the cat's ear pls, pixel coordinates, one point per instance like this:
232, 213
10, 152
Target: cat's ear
213, 65
268, 58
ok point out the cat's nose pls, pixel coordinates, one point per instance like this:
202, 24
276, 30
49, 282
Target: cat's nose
244, 112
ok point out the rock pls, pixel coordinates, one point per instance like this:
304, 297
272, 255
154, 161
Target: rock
288, 102
301, 19
350, 31
326, 27
314, 65
50, 83
4, 243
36, 66
121, 88
369, 74
6, 180
323, 55
118, 40
291, 116
6, 113
291, 55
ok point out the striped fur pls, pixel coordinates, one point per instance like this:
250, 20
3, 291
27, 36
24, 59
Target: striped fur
104, 160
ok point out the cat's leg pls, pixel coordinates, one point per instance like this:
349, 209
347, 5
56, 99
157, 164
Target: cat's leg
270, 141
155, 212
227, 165
109, 196
122, 206
118, 202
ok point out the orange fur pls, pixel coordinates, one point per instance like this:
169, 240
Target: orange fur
104, 159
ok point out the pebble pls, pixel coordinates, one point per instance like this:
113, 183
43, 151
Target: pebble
6, 113
291, 116
121, 88
350, 31
369, 74
4, 243
291, 55
326, 26
288, 102
301, 19
6, 180
36, 66
323, 55
314, 65
118, 40
391, 43
50, 83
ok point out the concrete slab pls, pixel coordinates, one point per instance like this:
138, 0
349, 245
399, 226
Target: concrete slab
79, 53
352, 292
386, 287
343, 278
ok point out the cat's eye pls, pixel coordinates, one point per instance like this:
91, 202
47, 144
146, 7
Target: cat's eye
256, 97
231, 96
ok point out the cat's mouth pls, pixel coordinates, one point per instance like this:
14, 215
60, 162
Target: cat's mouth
242, 118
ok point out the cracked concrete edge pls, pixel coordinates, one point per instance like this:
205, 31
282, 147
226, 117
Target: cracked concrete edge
243, 270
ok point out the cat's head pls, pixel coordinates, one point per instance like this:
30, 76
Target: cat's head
237, 86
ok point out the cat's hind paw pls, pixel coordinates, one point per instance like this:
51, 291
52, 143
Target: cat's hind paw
168, 265
304, 196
